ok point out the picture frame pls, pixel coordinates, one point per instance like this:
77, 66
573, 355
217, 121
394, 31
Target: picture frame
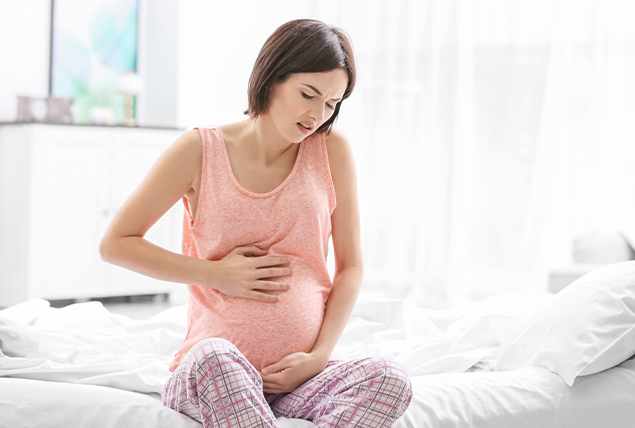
93, 44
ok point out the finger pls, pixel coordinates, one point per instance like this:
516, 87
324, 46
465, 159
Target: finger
271, 261
273, 272
270, 370
272, 286
250, 251
263, 297
271, 385
273, 389
275, 380
271, 380
274, 370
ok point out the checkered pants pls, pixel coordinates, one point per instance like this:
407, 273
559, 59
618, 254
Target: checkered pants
217, 386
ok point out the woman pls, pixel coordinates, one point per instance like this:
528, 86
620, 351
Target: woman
260, 204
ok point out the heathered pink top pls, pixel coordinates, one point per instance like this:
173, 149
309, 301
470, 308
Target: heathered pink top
293, 220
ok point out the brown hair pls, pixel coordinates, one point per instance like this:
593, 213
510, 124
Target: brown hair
300, 46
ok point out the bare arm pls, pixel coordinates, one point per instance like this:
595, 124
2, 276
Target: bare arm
173, 175
349, 269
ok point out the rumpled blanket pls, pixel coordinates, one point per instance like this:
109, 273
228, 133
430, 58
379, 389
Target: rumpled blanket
85, 343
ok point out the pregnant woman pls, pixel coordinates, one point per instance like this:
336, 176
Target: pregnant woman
262, 197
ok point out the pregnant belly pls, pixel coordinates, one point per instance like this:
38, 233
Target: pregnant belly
267, 332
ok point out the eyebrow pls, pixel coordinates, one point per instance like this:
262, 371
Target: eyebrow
320, 93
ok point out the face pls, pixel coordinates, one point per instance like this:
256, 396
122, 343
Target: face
302, 103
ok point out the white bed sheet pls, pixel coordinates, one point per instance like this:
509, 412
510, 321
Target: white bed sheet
27, 403
525, 398
109, 368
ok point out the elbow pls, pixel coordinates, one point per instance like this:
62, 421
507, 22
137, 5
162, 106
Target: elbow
106, 249
357, 268
114, 248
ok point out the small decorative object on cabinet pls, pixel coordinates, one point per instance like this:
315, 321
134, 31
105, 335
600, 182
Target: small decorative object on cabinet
44, 110
60, 186
130, 85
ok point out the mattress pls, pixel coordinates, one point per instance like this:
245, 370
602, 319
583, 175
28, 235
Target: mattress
83, 366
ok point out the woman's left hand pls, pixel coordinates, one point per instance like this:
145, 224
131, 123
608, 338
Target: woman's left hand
291, 372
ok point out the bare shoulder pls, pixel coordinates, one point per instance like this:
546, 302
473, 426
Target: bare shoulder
172, 176
181, 161
186, 150
189, 141
232, 131
336, 139
339, 150
192, 134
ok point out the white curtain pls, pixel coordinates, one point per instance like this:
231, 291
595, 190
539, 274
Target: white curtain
487, 133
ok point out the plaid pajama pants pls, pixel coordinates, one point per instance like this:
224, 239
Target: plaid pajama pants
217, 386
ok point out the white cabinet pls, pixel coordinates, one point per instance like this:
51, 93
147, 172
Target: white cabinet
60, 187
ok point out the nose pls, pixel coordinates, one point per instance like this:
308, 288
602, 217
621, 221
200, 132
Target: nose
318, 114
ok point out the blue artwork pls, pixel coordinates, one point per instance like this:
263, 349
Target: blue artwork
93, 44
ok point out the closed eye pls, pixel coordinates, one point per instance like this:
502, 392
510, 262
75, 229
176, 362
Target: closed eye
310, 97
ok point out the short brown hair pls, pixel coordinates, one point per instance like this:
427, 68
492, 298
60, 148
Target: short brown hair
300, 46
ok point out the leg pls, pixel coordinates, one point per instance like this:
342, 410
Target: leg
364, 393
218, 387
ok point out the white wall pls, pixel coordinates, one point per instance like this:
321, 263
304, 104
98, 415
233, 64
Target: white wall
217, 52
24, 52
157, 65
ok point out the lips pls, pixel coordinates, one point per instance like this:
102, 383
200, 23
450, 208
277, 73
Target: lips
305, 127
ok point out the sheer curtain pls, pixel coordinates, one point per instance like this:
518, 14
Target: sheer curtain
487, 133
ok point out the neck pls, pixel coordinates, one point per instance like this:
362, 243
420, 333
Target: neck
262, 141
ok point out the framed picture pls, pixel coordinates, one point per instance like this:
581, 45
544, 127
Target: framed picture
93, 44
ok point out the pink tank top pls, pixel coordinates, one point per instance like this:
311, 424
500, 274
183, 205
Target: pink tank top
293, 220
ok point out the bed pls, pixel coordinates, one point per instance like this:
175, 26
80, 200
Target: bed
517, 359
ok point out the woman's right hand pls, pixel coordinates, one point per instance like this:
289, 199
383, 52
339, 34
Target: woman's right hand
249, 273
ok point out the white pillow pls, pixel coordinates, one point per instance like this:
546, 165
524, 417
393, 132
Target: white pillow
588, 327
